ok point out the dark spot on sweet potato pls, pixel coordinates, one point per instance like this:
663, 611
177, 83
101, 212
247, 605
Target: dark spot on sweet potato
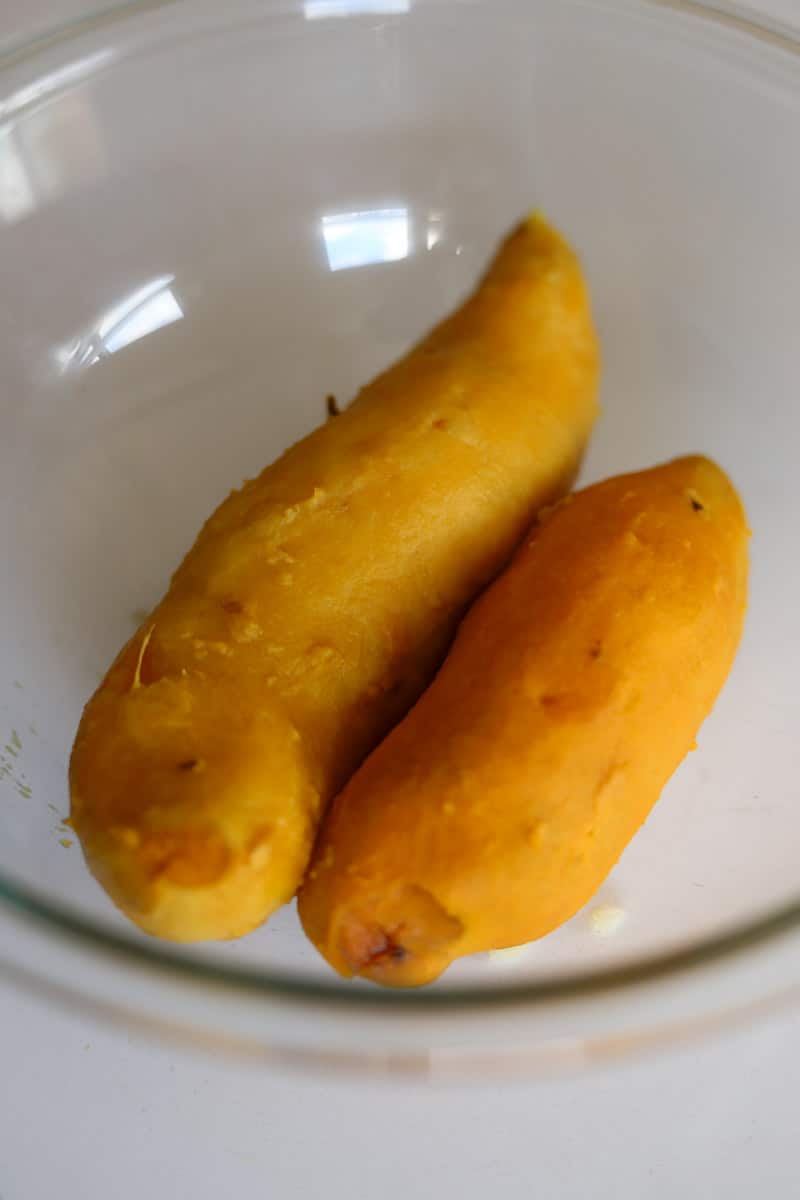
188, 765
696, 505
387, 949
596, 649
232, 606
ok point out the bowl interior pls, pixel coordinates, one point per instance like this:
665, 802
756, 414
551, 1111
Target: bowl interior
210, 224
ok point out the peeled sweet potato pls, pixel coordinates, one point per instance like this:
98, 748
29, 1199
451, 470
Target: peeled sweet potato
319, 599
575, 687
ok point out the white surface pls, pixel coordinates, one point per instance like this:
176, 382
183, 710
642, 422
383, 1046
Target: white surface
88, 1115
87, 1112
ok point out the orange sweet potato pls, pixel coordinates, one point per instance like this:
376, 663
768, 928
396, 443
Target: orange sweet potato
575, 687
318, 601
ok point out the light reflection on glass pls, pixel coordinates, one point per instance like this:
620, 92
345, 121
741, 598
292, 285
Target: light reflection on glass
54, 81
316, 9
149, 308
357, 239
434, 232
17, 196
54, 148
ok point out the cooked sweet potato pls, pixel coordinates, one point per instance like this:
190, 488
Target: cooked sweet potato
318, 601
574, 688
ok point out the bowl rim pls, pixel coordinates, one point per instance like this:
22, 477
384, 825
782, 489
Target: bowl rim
722, 13
86, 934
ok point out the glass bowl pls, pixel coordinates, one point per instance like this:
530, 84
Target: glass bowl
212, 217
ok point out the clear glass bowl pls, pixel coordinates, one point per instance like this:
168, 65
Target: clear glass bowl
212, 216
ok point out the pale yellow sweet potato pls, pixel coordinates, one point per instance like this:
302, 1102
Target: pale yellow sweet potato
318, 601
574, 688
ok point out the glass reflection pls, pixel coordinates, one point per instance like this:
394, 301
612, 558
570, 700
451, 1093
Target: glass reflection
54, 147
316, 9
17, 195
434, 232
357, 239
54, 81
149, 308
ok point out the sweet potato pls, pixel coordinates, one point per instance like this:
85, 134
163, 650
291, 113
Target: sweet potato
319, 599
574, 688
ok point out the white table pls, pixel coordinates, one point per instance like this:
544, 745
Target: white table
88, 1112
